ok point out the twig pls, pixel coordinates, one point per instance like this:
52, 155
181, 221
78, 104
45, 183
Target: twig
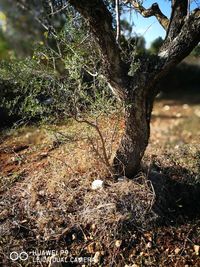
96, 127
61, 9
117, 20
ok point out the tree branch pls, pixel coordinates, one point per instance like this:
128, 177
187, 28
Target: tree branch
185, 41
175, 51
154, 10
100, 22
178, 14
117, 20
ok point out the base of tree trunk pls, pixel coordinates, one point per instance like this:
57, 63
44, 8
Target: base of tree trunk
127, 161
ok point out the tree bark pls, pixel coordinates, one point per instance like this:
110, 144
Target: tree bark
136, 136
138, 91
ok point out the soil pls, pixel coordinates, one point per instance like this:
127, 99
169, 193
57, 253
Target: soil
34, 165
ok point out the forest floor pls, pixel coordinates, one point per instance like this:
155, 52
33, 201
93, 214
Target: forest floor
47, 202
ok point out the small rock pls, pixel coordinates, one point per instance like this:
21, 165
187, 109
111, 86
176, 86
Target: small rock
149, 245
196, 249
74, 236
166, 108
178, 115
177, 250
118, 243
185, 106
41, 193
121, 179
97, 256
93, 226
197, 112
91, 247
97, 184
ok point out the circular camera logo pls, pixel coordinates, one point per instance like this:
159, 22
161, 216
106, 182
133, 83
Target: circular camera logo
14, 256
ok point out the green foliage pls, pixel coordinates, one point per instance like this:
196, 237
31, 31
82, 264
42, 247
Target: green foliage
126, 28
196, 51
59, 73
156, 45
61, 78
131, 48
4, 47
135, 65
21, 88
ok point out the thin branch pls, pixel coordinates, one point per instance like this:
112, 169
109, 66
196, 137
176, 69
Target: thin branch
154, 10
105, 157
59, 10
51, 6
185, 41
188, 9
96, 151
117, 20
100, 21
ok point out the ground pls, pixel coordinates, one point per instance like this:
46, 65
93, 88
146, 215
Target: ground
46, 200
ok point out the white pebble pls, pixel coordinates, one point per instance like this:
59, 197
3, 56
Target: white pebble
97, 184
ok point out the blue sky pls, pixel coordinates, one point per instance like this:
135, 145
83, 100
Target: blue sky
149, 28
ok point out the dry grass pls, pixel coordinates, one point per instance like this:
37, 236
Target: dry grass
54, 209
47, 201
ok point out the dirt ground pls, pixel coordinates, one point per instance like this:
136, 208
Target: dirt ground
46, 173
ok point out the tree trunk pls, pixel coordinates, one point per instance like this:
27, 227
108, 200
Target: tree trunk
137, 89
136, 135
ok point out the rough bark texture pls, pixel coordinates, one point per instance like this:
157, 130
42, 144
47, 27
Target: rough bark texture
136, 136
100, 21
139, 90
179, 12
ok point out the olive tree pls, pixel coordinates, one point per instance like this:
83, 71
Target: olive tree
136, 80
138, 87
